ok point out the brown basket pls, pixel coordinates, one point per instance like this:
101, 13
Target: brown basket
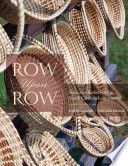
96, 140
90, 26
61, 39
49, 147
114, 15
7, 47
36, 11
114, 113
12, 149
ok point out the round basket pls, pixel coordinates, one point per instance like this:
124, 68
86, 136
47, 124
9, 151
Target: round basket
114, 113
6, 45
40, 115
114, 15
11, 144
96, 140
36, 11
47, 146
61, 39
90, 26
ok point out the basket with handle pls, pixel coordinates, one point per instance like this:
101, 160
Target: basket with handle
61, 39
110, 106
11, 145
90, 26
114, 15
45, 144
113, 112
6, 45
36, 11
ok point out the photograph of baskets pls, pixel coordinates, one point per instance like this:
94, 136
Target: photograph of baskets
57, 89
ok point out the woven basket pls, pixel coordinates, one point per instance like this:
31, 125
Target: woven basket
90, 26
96, 140
6, 45
12, 149
114, 113
36, 11
49, 147
61, 39
114, 15
100, 80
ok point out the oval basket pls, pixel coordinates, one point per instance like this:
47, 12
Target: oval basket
36, 11
61, 39
11, 145
6, 45
46, 145
114, 15
114, 113
96, 139
90, 26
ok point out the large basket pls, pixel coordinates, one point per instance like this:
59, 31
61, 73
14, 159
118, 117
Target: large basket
114, 15
114, 113
6, 45
49, 147
36, 11
12, 150
90, 26
61, 39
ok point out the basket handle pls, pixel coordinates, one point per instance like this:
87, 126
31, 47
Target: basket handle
19, 36
121, 34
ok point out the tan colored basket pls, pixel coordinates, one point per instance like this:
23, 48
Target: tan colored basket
97, 140
114, 15
6, 45
49, 147
61, 39
12, 149
114, 113
100, 80
90, 26
36, 11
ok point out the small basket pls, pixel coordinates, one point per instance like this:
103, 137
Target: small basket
49, 147
96, 140
114, 15
90, 26
11, 144
36, 11
114, 113
6, 45
62, 39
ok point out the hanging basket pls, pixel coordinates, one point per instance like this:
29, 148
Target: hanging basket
61, 39
100, 80
114, 113
6, 45
96, 140
114, 15
90, 26
36, 11
11, 144
47, 146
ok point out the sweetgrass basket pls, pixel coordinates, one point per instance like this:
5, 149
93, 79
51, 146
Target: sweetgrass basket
6, 45
114, 15
47, 146
36, 11
62, 39
12, 149
90, 26
113, 112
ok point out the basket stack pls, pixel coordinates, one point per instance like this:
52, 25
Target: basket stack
49, 83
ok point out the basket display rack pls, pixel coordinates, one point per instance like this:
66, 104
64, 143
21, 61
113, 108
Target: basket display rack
110, 69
